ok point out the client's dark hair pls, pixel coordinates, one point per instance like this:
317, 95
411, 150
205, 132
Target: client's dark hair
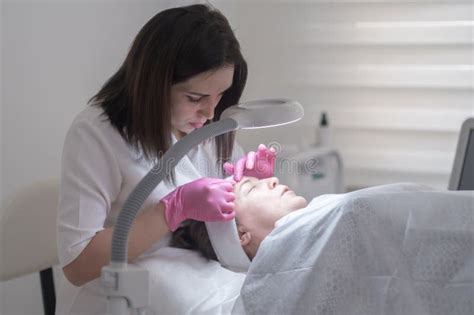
193, 235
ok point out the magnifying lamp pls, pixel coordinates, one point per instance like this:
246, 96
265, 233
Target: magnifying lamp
127, 286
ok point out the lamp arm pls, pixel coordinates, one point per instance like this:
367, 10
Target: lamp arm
154, 177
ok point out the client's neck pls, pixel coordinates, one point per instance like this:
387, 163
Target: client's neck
252, 247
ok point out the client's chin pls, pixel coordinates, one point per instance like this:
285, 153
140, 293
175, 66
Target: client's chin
299, 203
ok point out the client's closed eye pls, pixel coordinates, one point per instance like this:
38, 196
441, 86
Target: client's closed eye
247, 184
251, 189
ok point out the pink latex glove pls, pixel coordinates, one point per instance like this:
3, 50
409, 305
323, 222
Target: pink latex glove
205, 199
260, 164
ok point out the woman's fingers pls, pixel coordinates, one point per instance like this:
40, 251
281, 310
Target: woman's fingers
228, 207
262, 152
229, 197
250, 163
228, 168
228, 216
239, 169
226, 185
262, 147
265, 153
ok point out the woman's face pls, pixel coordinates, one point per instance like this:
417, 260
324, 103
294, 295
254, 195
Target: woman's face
260, 203
193, 101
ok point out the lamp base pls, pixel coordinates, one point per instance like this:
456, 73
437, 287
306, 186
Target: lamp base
126, 287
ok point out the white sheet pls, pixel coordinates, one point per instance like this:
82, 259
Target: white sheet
183, 282
397, 249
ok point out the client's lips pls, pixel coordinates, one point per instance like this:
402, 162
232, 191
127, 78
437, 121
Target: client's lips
285, 190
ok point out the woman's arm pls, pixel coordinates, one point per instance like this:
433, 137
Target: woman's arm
149, 227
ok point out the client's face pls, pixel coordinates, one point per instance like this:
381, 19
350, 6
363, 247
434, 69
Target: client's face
258, 205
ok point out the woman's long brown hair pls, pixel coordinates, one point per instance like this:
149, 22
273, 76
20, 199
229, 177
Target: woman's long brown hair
175, 45
193, 235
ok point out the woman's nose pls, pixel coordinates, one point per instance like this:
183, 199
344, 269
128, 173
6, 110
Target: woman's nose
208, 110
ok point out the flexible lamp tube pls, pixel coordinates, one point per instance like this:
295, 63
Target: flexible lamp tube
251, 115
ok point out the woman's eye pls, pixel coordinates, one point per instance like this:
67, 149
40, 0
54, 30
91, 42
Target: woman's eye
194, 100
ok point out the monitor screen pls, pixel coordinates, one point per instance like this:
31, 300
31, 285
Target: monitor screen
466, 181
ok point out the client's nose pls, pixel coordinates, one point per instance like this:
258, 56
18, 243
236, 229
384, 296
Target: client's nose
272, 182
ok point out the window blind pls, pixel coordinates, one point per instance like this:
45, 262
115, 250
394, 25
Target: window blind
395, 77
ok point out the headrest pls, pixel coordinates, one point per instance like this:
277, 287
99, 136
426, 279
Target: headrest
225, 240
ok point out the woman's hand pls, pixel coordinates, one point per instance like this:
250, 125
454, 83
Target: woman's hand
205, 199
260, 164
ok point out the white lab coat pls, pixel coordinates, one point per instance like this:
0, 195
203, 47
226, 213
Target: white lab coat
99, 170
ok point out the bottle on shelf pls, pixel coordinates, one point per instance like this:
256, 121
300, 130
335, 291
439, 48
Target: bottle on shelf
323, 133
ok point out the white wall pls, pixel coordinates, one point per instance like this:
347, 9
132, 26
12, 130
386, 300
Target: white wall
55, 55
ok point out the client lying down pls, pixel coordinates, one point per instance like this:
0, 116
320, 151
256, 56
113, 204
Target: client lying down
393, 249
258, 205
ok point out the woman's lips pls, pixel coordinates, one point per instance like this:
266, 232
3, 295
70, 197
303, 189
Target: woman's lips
196, 125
